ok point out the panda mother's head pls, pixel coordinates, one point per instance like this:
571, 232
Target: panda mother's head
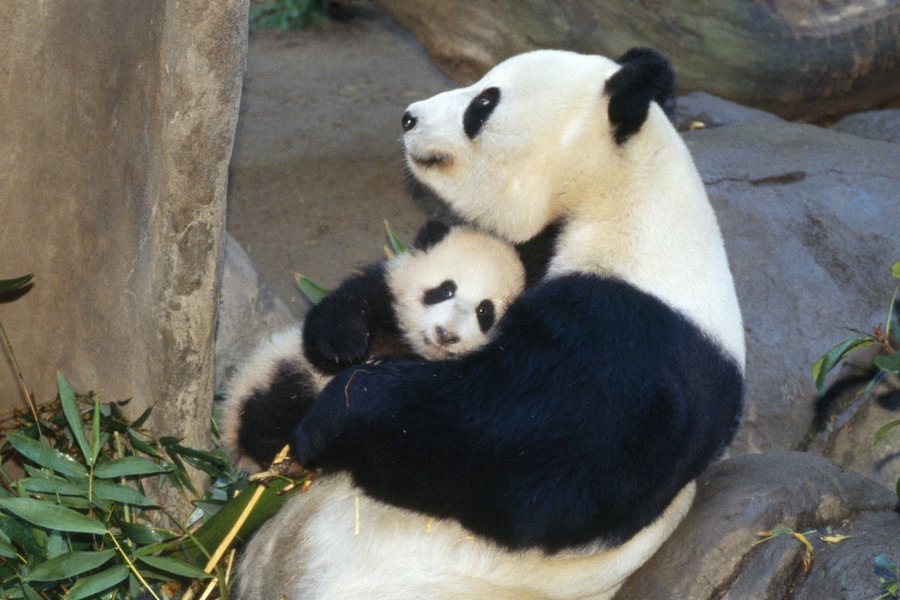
508, 151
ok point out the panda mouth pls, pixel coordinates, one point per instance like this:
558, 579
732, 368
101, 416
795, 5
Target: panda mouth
436, 159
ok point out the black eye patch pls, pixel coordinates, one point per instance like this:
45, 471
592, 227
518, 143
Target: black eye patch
478, 111
485, 315
445, 291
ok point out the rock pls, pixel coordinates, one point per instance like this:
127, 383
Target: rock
117, 129
798, 60
248, 312
710, 111
806, 216
874, 124
717, 551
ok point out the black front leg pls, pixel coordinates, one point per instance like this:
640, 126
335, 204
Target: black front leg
339, 331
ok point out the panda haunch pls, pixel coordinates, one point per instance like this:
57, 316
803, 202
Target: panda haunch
443, 299
559, 456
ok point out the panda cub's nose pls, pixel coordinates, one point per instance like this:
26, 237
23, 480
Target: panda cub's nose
445, 338
408, 121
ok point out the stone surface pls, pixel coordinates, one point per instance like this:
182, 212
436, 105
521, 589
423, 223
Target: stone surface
714, 553
248, 312
710, 111
806, 217
117, 129
873, 124
796, 59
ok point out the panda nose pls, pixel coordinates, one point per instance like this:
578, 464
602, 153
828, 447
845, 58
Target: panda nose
445, 338
408, 121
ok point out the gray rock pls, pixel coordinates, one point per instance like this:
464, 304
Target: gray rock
248, 312
873, 124
711, 111
717, 550
808, 217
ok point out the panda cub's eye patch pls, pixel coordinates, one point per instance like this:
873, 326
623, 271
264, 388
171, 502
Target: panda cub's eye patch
485, 315
478, 111
445, 291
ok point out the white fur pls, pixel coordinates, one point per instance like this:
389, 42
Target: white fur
351, 547
637, 211
483, 268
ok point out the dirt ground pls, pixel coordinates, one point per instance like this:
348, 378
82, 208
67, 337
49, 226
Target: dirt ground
318, 164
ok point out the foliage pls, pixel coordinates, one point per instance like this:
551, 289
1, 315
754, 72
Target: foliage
890, 577
289, 14
80, 524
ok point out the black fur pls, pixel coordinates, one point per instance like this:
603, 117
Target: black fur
645, 76
430, 234
479, 110
340, 332
270, 416
536, 253
445, 291
594, 405
486, 315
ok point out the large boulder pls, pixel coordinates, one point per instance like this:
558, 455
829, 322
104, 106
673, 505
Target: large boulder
737, 541
796, 59
808, 217
117, 129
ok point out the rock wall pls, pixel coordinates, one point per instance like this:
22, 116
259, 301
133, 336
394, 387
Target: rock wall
117, 129
797, 59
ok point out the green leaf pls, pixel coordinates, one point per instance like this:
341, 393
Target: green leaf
396, 244
51, 516
144, 416
121, 493
98, 582
7, 550
174, 566
73, 415
128, 466
885, 563
95, 433
884, 429
69, 565
42, 484
143, 446
313, 291
8, 285
46, 456
143, 535
830, 359
888, 362
22, 534
895, 269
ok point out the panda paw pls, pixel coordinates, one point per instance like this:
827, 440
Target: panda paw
335, 336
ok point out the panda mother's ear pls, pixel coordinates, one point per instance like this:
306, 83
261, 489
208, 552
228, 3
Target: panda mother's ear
645, 76
429, 234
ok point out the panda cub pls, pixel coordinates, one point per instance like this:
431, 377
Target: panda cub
444, 299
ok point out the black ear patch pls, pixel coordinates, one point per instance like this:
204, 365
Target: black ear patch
645, 76
478, 111
430, 234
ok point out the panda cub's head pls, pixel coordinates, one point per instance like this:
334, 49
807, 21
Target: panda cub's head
452, 288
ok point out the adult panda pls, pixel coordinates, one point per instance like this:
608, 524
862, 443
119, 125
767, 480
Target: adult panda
552, 462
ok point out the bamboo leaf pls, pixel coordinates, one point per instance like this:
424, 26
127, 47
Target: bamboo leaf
121, 493
884, 429
46, 456
8, 285
128, 466
313, 291
888, 362
143, 535
396, 245
73, 415
174, 566
40, 484
835, 355
97, 582
22, 534
69, 565
51, 516
7, 550
95, 433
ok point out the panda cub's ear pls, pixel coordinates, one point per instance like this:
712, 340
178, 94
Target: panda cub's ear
645, 76
430, 234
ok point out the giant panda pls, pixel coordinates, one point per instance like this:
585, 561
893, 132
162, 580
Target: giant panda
445, 296
553, 461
